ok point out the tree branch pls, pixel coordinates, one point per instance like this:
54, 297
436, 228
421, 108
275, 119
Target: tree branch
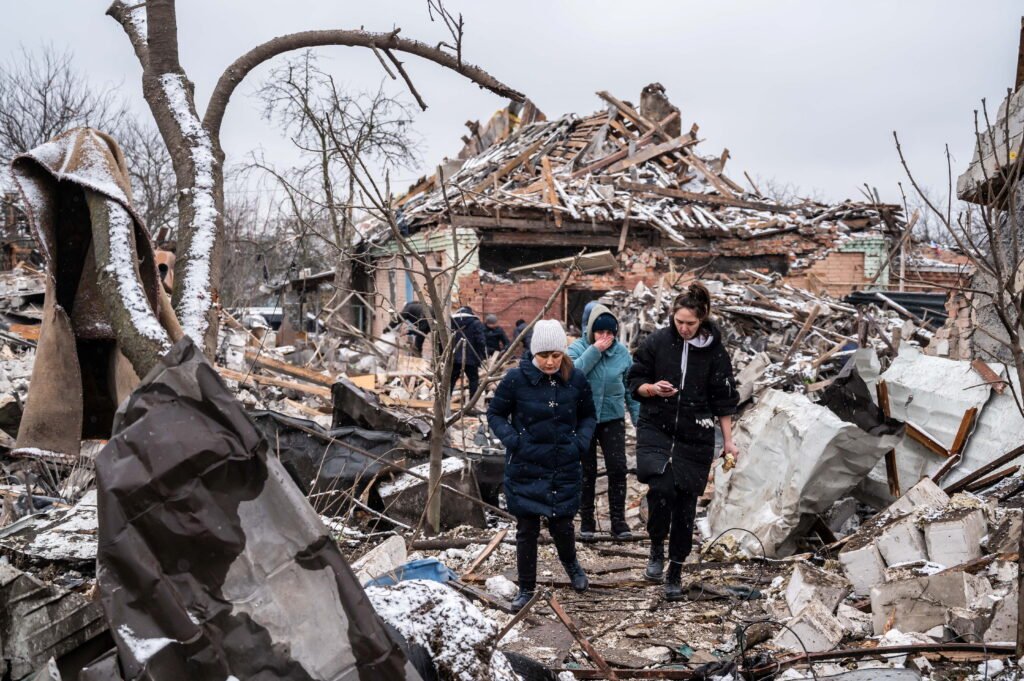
237, 71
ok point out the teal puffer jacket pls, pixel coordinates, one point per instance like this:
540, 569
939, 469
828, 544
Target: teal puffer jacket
605, 371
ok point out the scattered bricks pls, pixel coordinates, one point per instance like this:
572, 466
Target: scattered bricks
853, 621
969, 625
1005, 538
1004, 620
815, 629
902, 542
809, 584
921, 603
864, 568
925, 494
955, 536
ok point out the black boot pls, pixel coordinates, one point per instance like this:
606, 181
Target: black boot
587, 526
673, 581
620, 530
576, 575
521, 599
655, 571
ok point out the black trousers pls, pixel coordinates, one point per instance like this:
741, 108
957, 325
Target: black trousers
611, 435
527, 532
472, 372
671, 512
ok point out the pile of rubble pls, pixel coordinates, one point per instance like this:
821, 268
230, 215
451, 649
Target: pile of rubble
779, 336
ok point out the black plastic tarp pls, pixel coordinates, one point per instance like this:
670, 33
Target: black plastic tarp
211, 562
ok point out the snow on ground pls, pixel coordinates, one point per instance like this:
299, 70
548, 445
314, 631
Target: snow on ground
456, 633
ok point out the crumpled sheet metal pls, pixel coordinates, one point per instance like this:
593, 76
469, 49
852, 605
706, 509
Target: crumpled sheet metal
796, 459
211, 563
933, 393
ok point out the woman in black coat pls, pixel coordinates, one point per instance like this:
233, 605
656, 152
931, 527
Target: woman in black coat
543, 412
683, 378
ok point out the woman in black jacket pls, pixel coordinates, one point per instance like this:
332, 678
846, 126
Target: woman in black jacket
543, 412
683, 379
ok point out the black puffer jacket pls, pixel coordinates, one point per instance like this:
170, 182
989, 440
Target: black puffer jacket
545, 424
681, 429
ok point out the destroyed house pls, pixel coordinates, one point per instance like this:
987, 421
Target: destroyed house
628, 186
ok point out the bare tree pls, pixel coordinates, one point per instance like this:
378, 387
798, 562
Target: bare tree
991, 235
329, 126
194, 141
42, 94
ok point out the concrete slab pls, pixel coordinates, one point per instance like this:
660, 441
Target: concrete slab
1003, 627
917, 605
954, 537
381, 559
800, 458
809, 584
969, 624
902, 542
864, 567
925, 495
815, 629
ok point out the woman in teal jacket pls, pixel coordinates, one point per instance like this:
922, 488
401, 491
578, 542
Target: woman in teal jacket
605, 362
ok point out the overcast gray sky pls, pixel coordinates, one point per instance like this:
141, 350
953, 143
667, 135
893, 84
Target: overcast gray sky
803, 91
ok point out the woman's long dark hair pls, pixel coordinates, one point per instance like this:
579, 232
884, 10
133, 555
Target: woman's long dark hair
695, 298
566, 368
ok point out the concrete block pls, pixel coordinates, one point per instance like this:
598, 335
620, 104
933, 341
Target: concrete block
969, 625
381, 559
406, 495
902, 542
955, 537
864, 568
853, 621
808, 584
924, 495
1004, 620
815, 629
919, 604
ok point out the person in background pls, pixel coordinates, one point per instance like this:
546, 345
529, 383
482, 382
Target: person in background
683, 378
520, 325
495, 335
415, 314
470, 348
605, 362
543, 412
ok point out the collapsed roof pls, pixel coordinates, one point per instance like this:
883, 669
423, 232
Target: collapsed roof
593, 179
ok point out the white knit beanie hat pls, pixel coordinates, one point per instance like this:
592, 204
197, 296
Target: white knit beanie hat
548, 336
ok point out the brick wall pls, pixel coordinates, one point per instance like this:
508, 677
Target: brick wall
837, 274
524, 298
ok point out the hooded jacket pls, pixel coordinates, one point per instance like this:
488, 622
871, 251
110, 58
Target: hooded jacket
681, 429
606, 371
545, 424
471, 341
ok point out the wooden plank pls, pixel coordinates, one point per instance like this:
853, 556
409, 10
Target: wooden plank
527, 224
589, 649
927, 440
966, 424
365, 381
306, 388
892, 473
961, 484
651, 152
983, 369
550, 193
625, 225
510, 166
287, 369
486, 552
803, 332
704, 198
991, 479
507, 239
